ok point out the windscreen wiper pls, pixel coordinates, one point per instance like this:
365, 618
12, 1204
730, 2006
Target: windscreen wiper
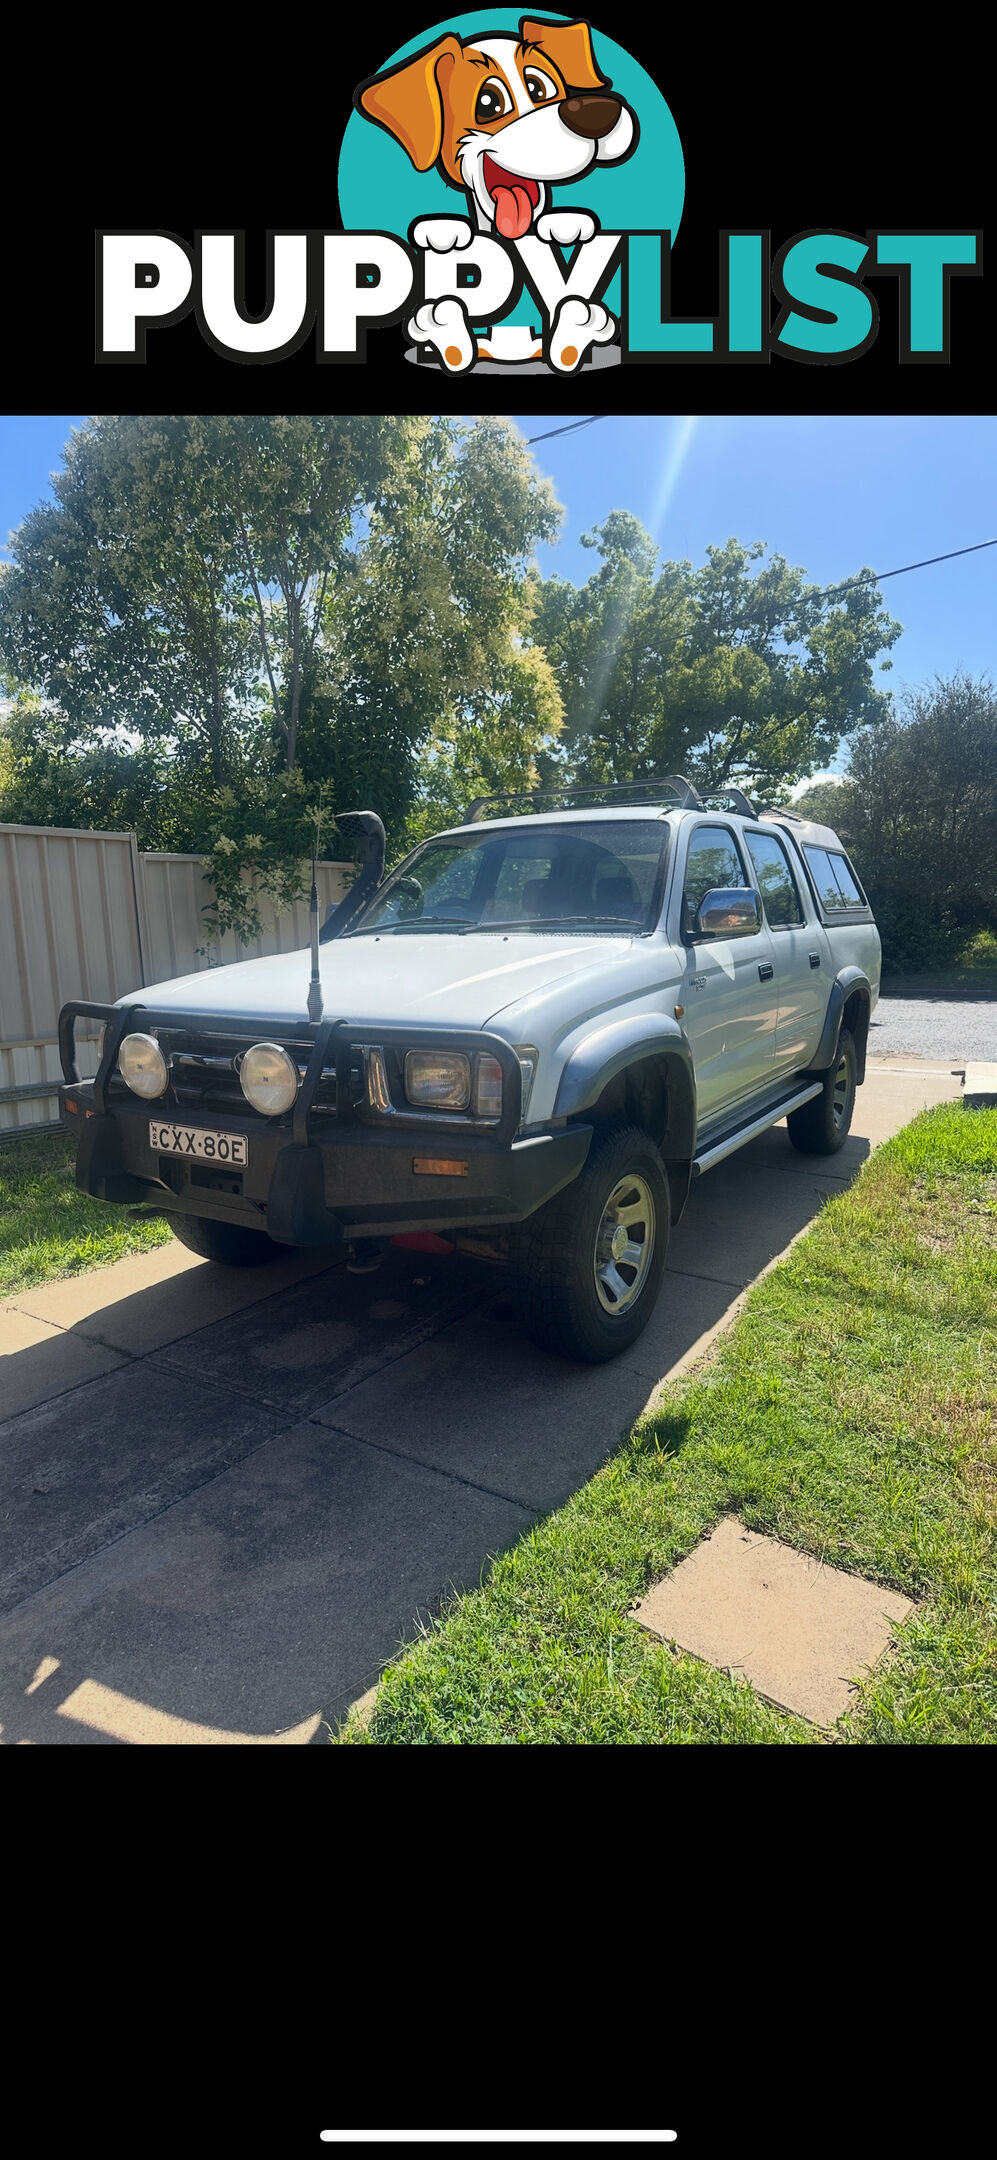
418, 923
558, 922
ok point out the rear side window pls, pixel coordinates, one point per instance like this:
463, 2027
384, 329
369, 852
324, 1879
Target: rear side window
776, 880
837, 886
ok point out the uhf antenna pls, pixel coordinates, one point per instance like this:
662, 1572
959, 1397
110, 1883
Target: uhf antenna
315, 986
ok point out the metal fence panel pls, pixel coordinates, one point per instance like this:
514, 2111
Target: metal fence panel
174, 891
85, 915
67, 904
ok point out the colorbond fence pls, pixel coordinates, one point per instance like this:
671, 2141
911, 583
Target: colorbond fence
86, 915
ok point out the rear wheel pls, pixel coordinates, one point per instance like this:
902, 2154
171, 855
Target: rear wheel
821, 1126
589, 1263
230, 1243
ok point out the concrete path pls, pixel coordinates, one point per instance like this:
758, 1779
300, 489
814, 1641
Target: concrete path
229, 1497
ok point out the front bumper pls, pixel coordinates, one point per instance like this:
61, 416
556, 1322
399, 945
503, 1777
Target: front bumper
311, 1179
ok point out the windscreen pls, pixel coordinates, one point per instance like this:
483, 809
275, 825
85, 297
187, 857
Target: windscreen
538, 877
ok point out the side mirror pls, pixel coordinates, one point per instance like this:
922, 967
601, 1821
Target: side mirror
728, 911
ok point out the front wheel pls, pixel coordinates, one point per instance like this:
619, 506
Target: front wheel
589, 1263
230, 1243
821, 1126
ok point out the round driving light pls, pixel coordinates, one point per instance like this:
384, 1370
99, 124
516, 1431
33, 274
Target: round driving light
141, 1063
269, 1079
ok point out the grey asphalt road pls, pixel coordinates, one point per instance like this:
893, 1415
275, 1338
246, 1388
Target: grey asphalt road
935, 1027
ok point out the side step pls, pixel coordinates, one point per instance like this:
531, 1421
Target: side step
715, 1151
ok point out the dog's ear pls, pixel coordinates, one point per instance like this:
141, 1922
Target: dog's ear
569, 45
408, 101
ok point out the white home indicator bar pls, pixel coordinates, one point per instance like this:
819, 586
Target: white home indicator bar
499, 2137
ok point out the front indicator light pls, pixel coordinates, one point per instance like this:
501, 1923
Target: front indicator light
269, 1079
142, 1066
529, 1059
438, 1079
488, 1088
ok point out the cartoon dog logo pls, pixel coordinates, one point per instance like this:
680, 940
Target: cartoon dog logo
505, 119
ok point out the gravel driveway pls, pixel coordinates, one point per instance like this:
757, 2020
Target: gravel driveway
933, 1026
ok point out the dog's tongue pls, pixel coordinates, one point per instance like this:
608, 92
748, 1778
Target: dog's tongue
513, 210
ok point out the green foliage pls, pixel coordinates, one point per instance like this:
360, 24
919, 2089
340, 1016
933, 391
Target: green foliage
176, 586
260, 838
918, 811
99, 783
725, 672
427, 685
217, 603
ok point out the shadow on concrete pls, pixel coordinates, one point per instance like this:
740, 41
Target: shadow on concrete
231, 1526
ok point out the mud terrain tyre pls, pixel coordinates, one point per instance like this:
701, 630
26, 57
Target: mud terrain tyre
822, 1126
588, 1264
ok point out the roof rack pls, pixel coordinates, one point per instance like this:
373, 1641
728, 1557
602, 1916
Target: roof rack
640, 790
731, 798
793, 815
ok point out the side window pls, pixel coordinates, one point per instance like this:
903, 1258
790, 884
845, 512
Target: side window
836, 886
776, 880
828, 889
852, 890
712, 861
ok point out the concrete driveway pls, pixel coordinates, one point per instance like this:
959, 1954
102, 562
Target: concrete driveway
228, 1497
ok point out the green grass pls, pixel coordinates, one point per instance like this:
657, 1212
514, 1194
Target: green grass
47, 1226
852, 1411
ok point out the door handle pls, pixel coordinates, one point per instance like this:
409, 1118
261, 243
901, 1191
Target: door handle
815, 959
765, 971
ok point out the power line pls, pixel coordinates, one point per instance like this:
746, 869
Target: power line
878, 577
570, 430
830, 592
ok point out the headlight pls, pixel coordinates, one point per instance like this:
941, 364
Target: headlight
141, 1063
441, 1078
269, 1079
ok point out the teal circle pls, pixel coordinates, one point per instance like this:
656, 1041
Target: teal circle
380, 190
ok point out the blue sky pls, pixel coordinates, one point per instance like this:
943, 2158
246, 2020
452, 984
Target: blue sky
831, 493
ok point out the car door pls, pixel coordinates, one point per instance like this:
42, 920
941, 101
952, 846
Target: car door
729, 987
798, 947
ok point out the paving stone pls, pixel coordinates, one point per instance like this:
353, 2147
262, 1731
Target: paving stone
267, 1599
801, 1632
980, 1091
481, 1401
739, 1219
79, 1470
148, 1299
38, 1361
323, 1335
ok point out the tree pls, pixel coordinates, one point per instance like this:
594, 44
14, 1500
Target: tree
222, 613
731, 674
428, 684
614, 645
917, 810
176, 586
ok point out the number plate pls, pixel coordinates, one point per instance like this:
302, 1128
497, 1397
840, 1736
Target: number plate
221, 1147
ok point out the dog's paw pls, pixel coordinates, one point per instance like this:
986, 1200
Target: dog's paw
577, 325
566, 227
442, 234
444, 325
